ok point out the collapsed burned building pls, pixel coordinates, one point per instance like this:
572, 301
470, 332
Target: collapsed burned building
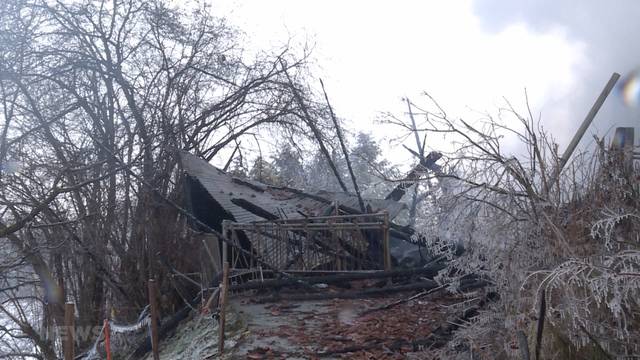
259, 212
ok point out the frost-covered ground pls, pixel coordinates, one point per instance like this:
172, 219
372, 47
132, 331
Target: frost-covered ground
197, 338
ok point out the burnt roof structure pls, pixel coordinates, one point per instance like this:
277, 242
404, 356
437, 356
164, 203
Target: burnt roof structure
213, 196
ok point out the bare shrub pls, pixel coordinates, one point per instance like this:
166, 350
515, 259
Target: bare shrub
571, 238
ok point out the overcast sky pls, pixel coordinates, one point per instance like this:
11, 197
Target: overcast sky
467, 54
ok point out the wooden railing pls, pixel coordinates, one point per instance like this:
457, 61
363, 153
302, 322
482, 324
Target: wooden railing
341, 242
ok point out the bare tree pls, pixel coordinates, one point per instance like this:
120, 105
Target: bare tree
96, 98
545, 241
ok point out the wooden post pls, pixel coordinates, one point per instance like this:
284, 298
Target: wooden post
385, 243
258, 245
583, 127
107, 339
335, 242
224, 290
153, 305
225, 234
69, 325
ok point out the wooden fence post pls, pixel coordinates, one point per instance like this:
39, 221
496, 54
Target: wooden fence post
107, 339
153, 305
385, 244
555, 175
69, 324
224, 290
225, 235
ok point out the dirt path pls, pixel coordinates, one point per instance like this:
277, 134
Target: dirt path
326, 329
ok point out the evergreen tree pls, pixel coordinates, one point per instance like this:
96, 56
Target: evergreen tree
263, 171
288, 167
238, 169
319, 175
366, 164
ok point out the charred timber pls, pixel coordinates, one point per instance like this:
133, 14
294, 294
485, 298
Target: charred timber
413, 176
428, 272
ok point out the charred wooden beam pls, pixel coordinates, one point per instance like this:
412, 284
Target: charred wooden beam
413, 176
226, 166
422, 285
427, 272
254, 209
247, 184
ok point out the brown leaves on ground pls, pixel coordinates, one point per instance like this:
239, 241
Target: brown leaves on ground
338, 330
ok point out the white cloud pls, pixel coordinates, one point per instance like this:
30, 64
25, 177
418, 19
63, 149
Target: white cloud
372, 53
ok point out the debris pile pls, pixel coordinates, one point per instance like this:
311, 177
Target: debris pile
352, 328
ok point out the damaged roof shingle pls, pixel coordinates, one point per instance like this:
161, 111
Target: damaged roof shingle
288, 203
